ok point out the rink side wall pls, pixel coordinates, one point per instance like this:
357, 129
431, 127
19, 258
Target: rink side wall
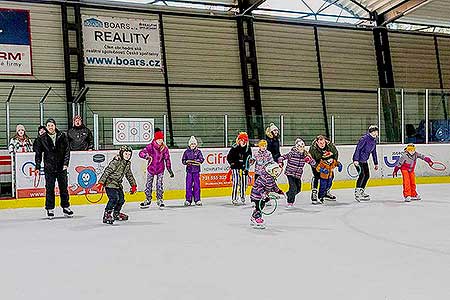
214, 170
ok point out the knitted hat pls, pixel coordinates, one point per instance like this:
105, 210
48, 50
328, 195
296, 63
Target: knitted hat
242, 136
125, 149
299, 143
262, 143
19, 127
272, 127
373, 128
410, 147
192, 141
50, 121
270, 169
78, 117
159, 135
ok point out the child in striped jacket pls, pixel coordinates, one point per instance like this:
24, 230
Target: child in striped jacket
296, 160
265, 184
407, 165
262, 158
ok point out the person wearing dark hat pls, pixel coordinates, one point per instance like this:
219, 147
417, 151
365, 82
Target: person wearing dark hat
54, 146
367, 145
79, 136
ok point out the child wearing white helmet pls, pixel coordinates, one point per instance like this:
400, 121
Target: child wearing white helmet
265, 184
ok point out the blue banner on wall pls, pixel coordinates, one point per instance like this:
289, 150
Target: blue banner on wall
15, 42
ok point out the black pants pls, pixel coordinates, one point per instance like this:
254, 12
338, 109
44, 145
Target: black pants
259, 205
295, 186
363, 170
116, 199
256, 176
316, 178
50, 180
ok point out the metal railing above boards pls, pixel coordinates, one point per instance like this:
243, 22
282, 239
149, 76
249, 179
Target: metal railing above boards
414, 116
30, 105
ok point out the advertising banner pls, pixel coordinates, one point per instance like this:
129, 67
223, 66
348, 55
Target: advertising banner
86, 167
117, 42
15, 42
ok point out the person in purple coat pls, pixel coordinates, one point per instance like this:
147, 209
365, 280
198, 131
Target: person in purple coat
367, 145
192, 159
158, 157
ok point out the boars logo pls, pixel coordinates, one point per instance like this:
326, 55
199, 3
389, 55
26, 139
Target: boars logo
86, 180
93, 22
391, 163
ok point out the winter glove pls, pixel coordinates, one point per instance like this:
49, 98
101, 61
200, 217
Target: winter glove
394, 174
170, 173
99, 187
324, 171
251, 161
280, 192
339, 166
356, 163
308, 159
428, 160
133, 189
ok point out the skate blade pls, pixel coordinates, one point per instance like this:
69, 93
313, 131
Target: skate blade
258, 226
68, 216
50, 218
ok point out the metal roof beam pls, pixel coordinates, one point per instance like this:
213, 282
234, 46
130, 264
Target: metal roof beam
399, 11
361, 6
247, 6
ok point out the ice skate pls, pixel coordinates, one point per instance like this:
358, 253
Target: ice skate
198, 203
160, 203
321, 200
145, 204
50, 214
243, 200
314, 198
330, 197
234, 202
108, 218
366, 196
416, 198
68, 212
187, 203
408, 199
290, 206
257, 223
118, 216
359, 196
315, 202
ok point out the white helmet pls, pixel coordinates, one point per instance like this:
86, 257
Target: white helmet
273, 169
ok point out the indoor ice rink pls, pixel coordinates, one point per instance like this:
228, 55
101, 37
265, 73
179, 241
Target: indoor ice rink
142, 141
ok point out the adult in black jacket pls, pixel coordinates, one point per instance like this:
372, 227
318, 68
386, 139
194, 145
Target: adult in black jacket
273, 141
55, 147
80, 137
240, 158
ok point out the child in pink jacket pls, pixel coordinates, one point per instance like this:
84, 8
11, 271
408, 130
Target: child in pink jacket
158, 158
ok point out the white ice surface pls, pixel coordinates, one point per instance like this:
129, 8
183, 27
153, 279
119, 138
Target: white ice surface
385, 249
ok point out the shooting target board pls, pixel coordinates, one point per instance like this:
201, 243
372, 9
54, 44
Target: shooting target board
132, 131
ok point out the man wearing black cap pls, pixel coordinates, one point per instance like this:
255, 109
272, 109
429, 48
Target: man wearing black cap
55, 147
79, 136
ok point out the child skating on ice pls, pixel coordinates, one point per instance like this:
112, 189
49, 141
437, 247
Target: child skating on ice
158, 157
240, 158
111, 181
407, 164
192, 158
296, 160
263, 157
264, 184
326, 168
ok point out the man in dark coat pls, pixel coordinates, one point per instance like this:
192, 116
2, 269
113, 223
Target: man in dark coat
80, 137
54, 146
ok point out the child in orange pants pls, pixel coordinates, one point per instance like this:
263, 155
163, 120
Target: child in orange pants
407, 165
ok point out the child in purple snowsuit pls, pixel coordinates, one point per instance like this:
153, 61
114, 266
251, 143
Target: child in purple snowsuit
192, 158
158, 157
